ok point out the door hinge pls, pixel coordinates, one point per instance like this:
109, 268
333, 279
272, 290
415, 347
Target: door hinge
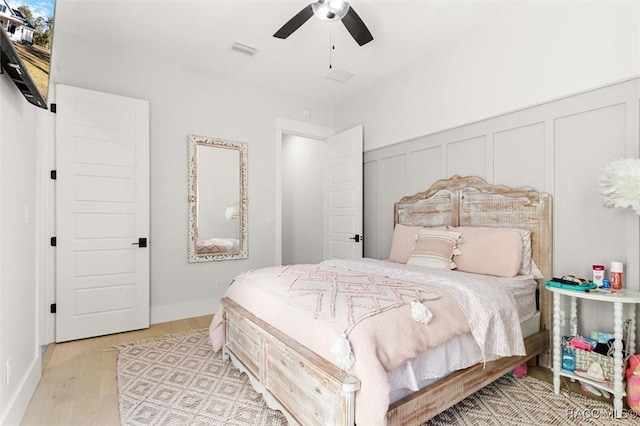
54, 241
54, 108
53, 308
54, 174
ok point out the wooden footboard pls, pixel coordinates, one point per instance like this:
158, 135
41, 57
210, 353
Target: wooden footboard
307, 389
312, 391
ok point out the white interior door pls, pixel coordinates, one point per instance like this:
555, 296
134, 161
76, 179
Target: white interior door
343, 195
102, 212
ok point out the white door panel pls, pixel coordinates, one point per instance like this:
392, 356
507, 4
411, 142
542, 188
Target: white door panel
105, 225
102, 208
343, 195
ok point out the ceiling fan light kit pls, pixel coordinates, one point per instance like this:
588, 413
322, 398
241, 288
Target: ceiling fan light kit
329, 10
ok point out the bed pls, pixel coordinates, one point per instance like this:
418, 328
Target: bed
217, 246
313, 382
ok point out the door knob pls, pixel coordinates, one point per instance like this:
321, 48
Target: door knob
142, 242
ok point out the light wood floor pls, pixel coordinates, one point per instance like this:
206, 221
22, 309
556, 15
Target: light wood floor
78, 384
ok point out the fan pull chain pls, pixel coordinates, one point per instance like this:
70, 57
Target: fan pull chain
331, 49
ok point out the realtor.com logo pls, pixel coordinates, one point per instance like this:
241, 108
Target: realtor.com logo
599, 414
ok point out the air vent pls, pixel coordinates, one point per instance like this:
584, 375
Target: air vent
243, 48
340, 75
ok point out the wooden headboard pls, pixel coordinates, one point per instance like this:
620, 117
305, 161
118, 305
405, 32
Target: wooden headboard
471, 201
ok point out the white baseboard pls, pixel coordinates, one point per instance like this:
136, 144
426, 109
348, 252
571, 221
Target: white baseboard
13, 413
177, 311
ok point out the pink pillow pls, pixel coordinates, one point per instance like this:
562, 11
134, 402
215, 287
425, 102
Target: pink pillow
404, 238
528, 266
489, 251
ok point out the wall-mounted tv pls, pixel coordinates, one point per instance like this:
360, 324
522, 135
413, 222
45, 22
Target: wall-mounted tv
26, 38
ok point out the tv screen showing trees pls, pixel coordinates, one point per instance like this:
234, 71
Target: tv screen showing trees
28, 34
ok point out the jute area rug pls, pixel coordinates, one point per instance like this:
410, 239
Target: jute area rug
178, 380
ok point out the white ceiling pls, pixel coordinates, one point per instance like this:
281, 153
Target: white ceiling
200, 33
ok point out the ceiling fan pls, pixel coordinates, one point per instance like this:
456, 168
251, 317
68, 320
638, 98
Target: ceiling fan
329, 10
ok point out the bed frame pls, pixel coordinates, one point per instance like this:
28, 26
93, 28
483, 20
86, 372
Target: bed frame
309, 390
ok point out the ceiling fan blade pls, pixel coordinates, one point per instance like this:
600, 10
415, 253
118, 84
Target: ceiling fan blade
357, 28
294, 23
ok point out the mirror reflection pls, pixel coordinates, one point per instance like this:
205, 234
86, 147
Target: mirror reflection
217, 199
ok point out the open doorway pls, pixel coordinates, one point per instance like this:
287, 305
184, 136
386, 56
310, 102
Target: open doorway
302, 205
286, 127
341, 191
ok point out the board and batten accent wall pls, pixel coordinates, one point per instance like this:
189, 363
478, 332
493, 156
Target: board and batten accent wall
557, 147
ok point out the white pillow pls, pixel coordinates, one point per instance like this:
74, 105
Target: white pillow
435, 249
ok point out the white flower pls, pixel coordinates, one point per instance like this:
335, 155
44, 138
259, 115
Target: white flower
620, 184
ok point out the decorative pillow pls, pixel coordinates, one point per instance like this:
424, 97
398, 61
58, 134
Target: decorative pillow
435, 248
535, 271
489, 251
404, 238
525, 266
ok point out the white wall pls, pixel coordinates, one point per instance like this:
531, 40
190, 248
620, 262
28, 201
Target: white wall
542, 52
186, 101
557, 147
302, 205
18, 290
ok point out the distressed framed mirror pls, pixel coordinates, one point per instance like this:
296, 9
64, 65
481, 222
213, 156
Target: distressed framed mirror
217, 199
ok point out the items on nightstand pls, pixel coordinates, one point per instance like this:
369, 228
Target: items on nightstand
602, 337
571, 348
579, 355
585, 359
569, 282
604, 345
615, 275
583, 343
568, 355
592, 389
570, 279
588, 388
598, 274
596, 373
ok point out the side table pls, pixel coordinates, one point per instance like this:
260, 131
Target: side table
624, 300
